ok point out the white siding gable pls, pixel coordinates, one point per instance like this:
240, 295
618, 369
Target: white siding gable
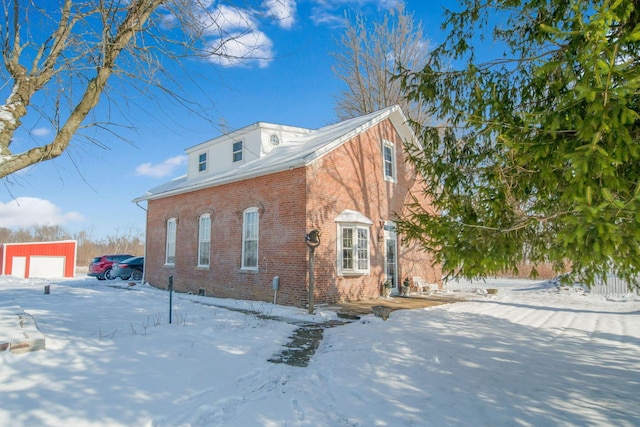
258, 140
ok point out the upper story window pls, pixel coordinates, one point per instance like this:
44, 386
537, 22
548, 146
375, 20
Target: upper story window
389, 161
237, 151
170, 258
353, 243
204, 240
202, 162
250, 229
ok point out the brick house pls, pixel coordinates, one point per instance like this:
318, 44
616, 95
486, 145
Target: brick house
240, 215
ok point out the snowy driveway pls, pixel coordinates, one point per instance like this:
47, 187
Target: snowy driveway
520, 358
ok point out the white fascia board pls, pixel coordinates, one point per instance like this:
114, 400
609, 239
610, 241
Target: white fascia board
400, 122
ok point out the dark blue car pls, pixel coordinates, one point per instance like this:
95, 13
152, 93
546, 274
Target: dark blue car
130, 268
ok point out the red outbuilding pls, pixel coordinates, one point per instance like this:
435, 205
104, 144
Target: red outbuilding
39, 259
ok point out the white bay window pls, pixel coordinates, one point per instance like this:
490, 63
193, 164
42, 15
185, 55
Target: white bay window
353, 243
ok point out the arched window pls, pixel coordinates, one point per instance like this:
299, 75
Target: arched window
204, 240
170, 258
250, 228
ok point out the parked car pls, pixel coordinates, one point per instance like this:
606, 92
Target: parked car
100, 267
131, 268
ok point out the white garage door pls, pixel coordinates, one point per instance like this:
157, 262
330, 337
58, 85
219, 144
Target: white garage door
19, 266
47, 266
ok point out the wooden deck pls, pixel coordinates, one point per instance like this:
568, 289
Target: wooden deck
360, 308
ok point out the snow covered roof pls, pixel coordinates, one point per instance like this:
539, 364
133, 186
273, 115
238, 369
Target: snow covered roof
352, 216
297, 152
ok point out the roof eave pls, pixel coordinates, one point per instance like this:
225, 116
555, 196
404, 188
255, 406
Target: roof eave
224, 180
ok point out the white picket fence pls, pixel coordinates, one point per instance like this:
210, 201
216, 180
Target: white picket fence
611, 286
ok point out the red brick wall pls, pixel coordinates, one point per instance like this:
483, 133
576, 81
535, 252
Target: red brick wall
290, 204
351, 177
282, 252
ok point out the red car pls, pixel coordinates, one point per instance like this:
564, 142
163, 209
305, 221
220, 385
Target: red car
100, 267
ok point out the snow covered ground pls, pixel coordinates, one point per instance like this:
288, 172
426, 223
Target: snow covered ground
530, 355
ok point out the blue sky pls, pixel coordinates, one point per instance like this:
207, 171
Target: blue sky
90, 188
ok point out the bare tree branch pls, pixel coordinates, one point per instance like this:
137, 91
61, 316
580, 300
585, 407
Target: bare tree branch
82, 45
368, 59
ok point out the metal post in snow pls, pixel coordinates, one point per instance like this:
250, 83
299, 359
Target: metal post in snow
170, 297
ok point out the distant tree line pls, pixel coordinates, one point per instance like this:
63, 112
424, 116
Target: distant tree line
121, 242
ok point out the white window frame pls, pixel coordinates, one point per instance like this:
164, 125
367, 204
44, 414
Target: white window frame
250, 237
359, 250
170, 253
239, 152
390, 234
390, 163
202, 162
204, 240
